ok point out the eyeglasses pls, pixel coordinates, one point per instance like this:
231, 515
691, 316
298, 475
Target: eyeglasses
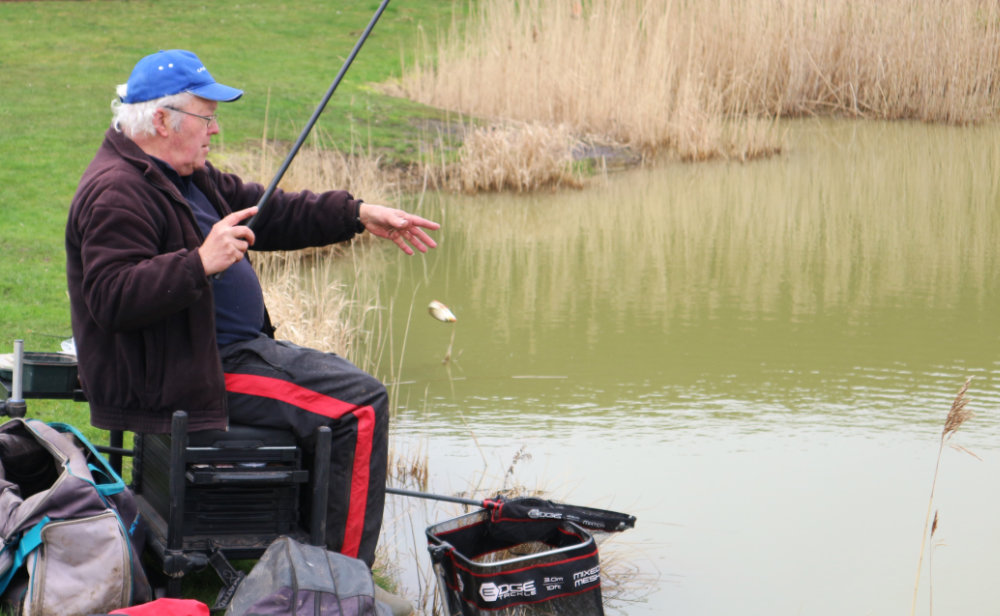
208, 119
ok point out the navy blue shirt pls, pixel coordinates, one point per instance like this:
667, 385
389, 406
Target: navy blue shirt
239, 300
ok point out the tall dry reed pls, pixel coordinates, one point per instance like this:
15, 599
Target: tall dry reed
957, 415
702, 79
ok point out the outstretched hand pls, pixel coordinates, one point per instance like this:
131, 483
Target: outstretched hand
403, 228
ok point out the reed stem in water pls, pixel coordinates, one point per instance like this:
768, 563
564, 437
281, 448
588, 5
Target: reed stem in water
958, 415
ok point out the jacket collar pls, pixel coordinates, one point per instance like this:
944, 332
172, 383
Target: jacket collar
130, 151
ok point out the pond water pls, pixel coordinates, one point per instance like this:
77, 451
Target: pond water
755, 359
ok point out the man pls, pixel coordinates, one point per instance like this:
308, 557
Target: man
168, 314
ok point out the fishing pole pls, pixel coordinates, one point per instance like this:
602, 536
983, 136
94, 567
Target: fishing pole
440, 497
527, 507
315, 116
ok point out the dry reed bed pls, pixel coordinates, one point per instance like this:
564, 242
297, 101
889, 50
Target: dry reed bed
701, 79
519, 158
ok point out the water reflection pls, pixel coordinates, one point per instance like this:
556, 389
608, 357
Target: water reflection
795, 321
856, 271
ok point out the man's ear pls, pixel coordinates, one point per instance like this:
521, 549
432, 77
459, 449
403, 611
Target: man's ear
160, 122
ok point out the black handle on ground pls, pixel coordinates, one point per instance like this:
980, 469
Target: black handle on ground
315, 116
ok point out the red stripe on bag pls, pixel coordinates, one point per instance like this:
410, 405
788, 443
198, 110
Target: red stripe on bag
313, 402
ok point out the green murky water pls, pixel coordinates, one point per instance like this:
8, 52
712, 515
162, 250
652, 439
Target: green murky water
754, 359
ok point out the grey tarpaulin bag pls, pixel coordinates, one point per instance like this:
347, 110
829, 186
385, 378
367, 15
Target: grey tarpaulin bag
67, 524
294, 579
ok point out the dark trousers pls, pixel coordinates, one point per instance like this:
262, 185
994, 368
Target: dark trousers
278, 384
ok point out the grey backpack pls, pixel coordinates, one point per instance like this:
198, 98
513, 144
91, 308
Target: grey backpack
295, 579
67, 524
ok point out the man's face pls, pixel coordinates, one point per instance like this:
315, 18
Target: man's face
189, 145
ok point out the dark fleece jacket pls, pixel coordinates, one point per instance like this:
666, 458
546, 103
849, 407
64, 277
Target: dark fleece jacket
142, 307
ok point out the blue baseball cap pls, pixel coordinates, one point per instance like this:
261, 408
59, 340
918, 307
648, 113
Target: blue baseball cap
172, 72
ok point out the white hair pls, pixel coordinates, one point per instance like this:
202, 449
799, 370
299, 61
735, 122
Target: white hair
137, 118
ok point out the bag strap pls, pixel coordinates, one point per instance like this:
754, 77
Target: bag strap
30, 540
111, 485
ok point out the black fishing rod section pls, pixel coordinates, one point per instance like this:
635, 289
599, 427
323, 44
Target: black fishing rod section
315, 116
533, 508
438, 497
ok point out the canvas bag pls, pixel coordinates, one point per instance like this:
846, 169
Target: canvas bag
67, 524
294, 579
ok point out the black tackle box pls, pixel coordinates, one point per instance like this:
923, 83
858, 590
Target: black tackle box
246, 480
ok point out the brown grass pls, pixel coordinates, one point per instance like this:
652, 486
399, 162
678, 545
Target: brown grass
504, 156
318, 167
306, 304
690, 78
517, 157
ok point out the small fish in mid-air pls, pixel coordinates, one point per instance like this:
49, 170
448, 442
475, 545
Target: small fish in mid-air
441, 312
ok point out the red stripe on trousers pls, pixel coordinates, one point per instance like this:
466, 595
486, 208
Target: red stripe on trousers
313, 402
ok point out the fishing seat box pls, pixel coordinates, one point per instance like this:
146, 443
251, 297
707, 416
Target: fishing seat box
245, 481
